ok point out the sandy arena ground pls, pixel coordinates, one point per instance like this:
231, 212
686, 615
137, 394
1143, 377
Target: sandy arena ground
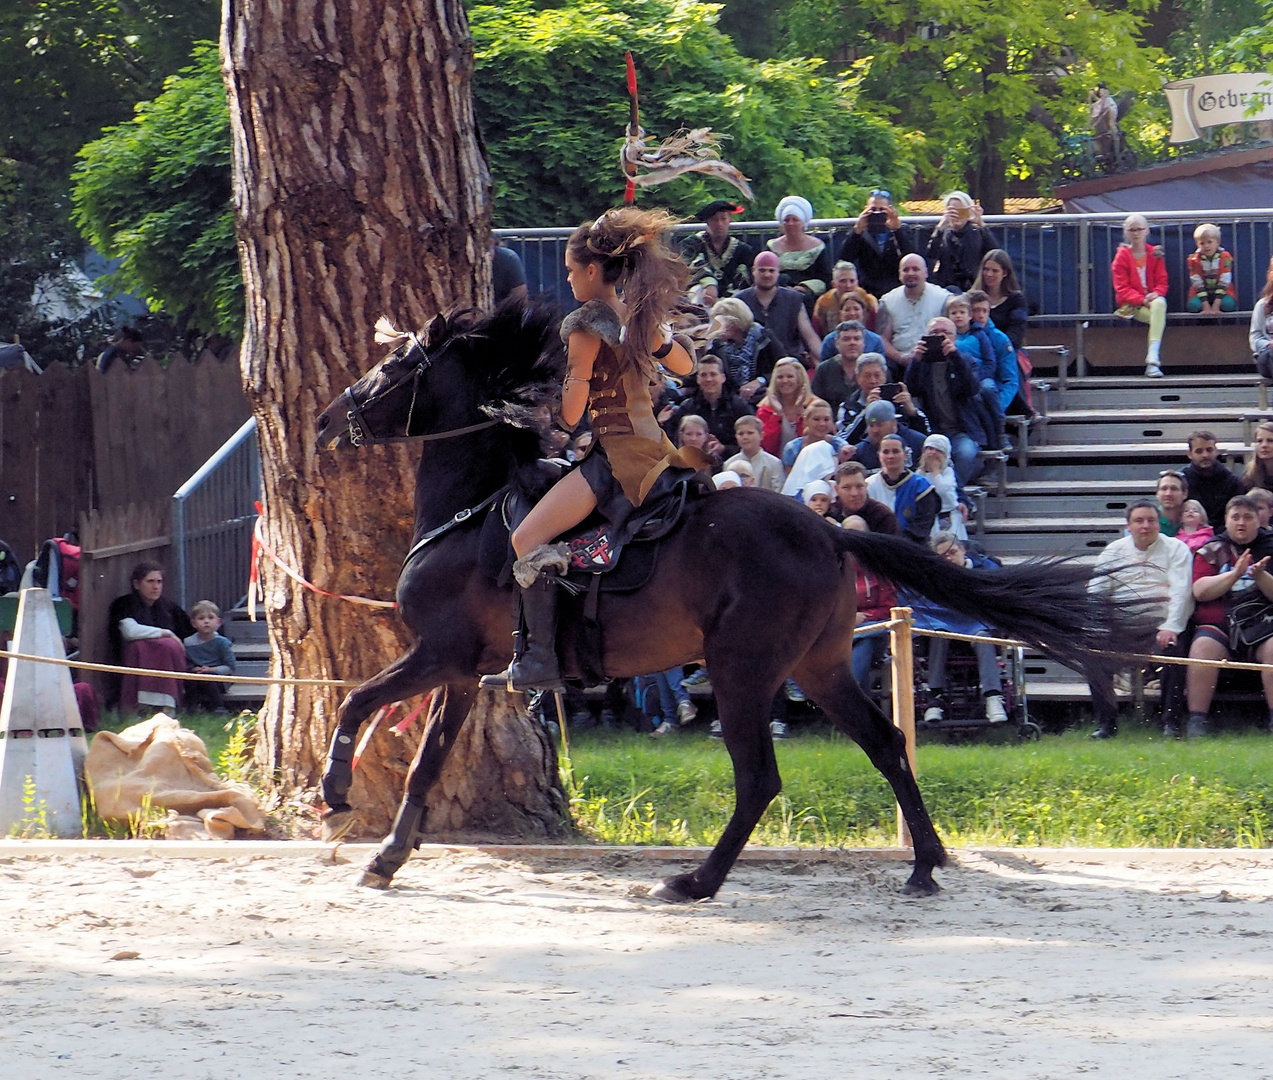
1031, 964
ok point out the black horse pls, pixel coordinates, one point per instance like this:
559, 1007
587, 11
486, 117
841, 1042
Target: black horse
755, 584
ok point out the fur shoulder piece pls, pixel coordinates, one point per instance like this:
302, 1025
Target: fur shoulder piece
596, 318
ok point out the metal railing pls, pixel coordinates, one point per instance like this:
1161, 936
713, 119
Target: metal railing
1062, 260
213, 514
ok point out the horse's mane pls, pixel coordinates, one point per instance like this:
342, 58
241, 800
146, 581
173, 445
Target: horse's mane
516, 356
514, 352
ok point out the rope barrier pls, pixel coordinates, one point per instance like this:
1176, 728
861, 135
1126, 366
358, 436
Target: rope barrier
186, 676
1131, 658
259, 545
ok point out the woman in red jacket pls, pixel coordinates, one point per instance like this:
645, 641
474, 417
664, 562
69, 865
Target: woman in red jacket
1140, 285
781, 413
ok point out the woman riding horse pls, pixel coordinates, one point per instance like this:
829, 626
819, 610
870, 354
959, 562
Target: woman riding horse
612, 344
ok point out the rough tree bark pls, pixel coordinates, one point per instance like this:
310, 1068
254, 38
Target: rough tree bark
990, 182
360, 190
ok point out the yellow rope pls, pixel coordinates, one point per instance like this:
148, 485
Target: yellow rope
188, 676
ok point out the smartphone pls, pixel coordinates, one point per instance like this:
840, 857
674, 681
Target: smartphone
890, 390
933, 344
877, 214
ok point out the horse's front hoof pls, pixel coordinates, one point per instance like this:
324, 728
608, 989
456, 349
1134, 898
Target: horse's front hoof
677, 890
921, 886
369, 879
335, 824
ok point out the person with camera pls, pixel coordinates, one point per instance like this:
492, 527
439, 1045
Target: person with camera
883, 419
873, 385
959, 243
944, 382
877, 244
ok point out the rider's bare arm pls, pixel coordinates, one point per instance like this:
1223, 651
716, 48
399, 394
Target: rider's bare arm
581, 354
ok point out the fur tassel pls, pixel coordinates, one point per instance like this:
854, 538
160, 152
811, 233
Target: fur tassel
528, 569
596, 318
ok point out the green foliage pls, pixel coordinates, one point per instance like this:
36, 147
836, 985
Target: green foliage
1250, 49
35, 815
67, 68
553, 107
971, 79
155, 193
234, 760
1139, 791
70, 67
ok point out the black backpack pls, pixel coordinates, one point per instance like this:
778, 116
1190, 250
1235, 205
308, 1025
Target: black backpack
11, 569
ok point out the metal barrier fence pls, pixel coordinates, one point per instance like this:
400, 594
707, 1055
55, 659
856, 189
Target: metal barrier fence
1062, 260
213, 514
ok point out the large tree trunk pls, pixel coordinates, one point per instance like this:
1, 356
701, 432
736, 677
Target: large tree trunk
990, 184
359, 191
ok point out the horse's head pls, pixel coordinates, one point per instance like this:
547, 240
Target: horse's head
465, 372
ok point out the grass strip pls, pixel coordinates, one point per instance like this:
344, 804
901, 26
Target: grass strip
1138, 790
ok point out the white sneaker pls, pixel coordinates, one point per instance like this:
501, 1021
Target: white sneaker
933, 714
665, 728
714, 731
685, 712
777, 729
995, 712
1153, 371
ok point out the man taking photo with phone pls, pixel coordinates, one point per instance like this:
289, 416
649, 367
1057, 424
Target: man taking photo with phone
944, 382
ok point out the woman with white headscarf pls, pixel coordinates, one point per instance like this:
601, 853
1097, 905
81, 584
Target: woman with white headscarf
804, 260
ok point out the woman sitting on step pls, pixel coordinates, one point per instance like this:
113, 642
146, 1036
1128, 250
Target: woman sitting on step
1139, 271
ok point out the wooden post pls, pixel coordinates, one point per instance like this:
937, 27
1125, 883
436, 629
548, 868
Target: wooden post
903, 696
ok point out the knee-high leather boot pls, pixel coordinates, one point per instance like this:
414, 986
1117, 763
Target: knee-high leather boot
535, 665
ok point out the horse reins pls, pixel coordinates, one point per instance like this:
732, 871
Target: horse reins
359, 435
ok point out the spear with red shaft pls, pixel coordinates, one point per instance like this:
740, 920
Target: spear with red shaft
634, 129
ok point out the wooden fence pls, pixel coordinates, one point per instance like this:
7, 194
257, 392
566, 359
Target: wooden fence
114, 541
76, 441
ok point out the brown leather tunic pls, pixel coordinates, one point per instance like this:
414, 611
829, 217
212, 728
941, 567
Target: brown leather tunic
624, 425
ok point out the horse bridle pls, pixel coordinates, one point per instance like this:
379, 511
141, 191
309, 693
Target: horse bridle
359, 435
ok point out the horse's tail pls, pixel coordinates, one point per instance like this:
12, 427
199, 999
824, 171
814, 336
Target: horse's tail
1045, 603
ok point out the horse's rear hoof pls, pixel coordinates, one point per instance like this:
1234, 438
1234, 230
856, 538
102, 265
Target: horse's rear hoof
335, 824
921, 886
369, 879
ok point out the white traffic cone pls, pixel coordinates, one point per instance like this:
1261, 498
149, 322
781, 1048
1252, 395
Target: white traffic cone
42, 744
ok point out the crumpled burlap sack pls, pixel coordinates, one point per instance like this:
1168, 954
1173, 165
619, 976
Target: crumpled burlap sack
167, 765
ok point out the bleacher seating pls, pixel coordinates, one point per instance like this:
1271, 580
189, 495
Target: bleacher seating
1102, 444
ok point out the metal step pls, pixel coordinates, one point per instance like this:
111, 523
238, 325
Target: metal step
1105, 461
1093, 392
1040, 544
1149, 396
1100, 426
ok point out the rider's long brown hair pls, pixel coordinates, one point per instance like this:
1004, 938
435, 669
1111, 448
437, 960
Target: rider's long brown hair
631, 246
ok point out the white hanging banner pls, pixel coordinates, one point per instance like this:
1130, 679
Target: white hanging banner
1213, 100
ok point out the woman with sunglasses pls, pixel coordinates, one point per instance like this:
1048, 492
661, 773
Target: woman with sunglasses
1139, 271
877, 243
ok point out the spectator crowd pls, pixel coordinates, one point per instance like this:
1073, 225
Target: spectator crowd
874, 384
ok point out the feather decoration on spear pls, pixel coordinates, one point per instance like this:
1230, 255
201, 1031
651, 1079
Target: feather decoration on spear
684, 151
